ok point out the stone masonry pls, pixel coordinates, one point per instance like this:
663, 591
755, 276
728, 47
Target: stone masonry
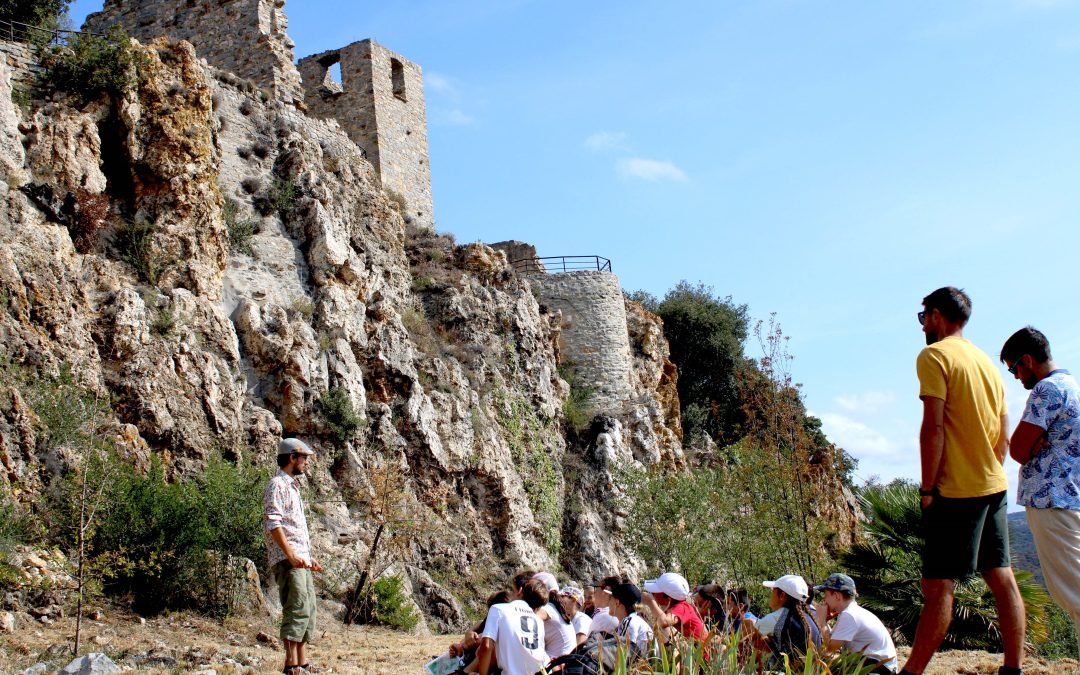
244, 37
594, 337
380, 105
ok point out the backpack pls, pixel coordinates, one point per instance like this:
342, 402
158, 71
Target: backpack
599, 653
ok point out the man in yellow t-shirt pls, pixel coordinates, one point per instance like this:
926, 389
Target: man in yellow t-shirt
963, 442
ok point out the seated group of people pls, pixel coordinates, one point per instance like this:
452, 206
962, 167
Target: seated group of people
539, 625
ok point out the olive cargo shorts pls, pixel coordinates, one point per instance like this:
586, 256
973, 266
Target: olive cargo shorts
296, 587
964, 535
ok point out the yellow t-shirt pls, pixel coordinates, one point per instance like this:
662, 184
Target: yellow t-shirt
960, 374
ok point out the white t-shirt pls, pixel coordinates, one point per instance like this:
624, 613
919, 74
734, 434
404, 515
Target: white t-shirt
767, 623
603, 621
637, 631
864, 632
582, 623
559, 638
519, 640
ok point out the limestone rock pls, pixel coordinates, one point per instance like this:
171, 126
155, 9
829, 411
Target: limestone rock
7, 622
91, 664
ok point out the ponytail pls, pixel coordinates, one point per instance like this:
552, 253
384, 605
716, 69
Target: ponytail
554, 597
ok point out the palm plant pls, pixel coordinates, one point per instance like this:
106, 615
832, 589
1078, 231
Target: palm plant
886, 566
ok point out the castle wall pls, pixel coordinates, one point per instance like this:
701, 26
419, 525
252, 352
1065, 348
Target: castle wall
380, 105
244, 37
594, 333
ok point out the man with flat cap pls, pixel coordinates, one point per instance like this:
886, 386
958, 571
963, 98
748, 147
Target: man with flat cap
290, 553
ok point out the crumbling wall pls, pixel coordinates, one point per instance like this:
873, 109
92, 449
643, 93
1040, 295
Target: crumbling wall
380, 105
244, 37
594, 334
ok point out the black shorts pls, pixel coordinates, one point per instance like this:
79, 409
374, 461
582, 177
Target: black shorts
964, 535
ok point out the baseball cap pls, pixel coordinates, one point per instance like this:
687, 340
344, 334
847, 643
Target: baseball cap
574, 592
792, 584
288, 446
628, 595
548, 580
838, 582
670, 584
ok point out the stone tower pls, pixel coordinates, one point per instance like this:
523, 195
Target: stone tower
244, 37
380, 105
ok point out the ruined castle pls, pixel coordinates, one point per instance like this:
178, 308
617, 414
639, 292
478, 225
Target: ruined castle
379, 103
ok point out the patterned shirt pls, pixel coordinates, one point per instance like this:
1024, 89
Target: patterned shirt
282, 508
1051, 479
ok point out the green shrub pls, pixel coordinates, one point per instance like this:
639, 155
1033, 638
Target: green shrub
391, 605
579, 408
284, 192
45, 13
91, 65
341, 417
164, 324
167, 545
1061, 642
240, 231
135, 243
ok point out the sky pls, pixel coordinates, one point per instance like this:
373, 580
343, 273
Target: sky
831, 162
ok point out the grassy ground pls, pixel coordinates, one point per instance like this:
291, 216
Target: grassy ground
195, 643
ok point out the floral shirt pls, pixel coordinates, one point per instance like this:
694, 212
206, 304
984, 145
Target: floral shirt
1051, 479
282, 508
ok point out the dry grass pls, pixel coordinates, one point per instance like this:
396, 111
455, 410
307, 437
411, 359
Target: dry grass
340, 649
197, 642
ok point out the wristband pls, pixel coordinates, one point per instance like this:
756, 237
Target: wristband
932, 492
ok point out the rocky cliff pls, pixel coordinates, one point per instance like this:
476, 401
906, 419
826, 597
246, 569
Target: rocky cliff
121, 257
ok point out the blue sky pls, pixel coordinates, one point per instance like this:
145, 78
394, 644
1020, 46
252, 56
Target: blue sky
832, 162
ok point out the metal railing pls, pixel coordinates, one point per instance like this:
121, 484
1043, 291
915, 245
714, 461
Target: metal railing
13, 31
561, 263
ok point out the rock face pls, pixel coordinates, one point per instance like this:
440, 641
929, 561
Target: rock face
116, 219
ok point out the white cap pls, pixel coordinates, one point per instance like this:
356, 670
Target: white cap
288, 446
549, 580
792, 584
670, 584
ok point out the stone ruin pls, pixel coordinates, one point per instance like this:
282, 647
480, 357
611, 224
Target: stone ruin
379, 103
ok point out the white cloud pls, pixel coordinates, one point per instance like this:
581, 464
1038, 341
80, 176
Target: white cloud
649, 169
606, 140
866, 403
437, 82
452, 117
857, 438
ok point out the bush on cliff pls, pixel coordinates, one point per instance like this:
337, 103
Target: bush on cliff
46, 14
91, 65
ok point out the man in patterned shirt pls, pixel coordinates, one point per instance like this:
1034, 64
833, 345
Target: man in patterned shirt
290, 553
1046, 443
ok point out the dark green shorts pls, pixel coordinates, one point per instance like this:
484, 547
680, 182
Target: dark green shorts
964, 535
296, 588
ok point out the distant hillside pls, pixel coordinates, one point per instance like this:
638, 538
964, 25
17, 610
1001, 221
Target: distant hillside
1022, 545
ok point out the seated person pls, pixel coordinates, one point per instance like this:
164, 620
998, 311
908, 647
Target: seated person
572, 598
632, 627
709, 601
665, 597
602, 620
856, 629
558, 627
737, 607
789, 628
513, 636
466, 649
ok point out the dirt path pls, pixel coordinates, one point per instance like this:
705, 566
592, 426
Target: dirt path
181, 643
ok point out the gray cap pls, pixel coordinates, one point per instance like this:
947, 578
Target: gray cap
838, 582
288, 446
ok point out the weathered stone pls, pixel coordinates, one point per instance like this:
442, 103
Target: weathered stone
91, 664
7, 622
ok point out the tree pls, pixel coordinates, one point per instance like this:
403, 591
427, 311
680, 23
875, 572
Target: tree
706, 335
886, 567
43, 13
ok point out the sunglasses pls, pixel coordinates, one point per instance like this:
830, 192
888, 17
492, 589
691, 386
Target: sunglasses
922, 318
1015, 365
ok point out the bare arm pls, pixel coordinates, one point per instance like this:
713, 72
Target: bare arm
278, 535
1027, 441
483, 655
1002, 447
660, 618
931, 442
